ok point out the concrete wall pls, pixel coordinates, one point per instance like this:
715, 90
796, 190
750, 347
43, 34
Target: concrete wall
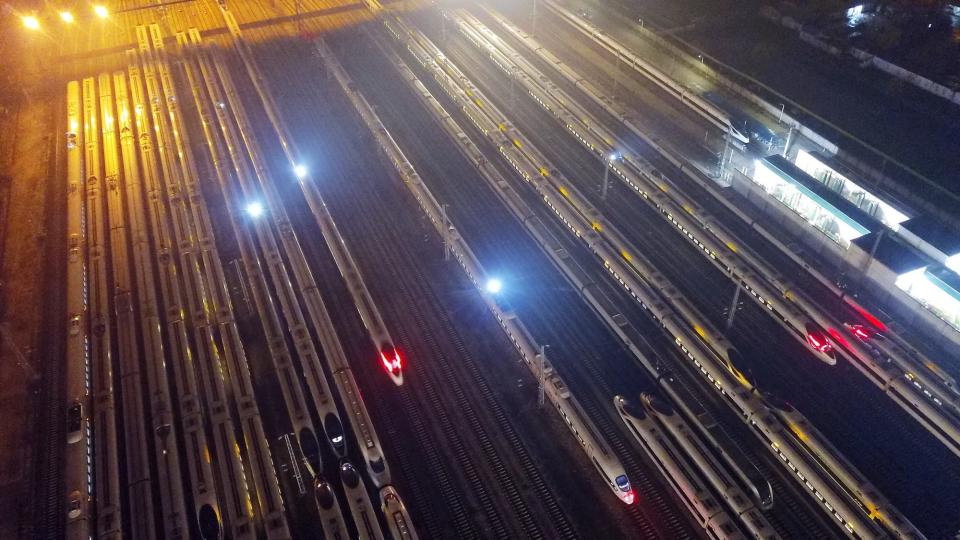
909, 196
867, 58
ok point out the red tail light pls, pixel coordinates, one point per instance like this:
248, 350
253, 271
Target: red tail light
838, 337
867, 315
819, 342
391, 361
862, 333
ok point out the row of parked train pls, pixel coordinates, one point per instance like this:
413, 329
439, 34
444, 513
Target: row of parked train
132, 146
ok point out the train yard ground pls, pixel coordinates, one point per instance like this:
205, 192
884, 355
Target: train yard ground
30, 247
467, 444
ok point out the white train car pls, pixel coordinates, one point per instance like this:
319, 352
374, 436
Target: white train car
681, 475
389, 357
105, 455
78, 458
395, 512
919, 386
364, 515
751, 520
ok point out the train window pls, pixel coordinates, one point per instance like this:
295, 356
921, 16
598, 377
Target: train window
377, 465
74, 325
728, 528
73, 510
74, 422
623, 483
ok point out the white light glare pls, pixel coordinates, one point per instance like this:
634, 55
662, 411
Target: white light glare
255, 209
300, 171
494, 285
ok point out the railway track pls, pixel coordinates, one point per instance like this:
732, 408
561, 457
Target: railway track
752, 332
458, 203
45, 515
794, 529
416, 295
445, 393
563, 151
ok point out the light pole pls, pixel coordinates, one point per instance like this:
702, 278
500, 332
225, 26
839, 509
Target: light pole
533, 23
541, 375
616, 73
606, 175
734, 305
446, 235
725, 155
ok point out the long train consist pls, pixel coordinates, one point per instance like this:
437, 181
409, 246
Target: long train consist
389, 355
105, 445
146, 203
279, 352
78, 455
310, 362
913, 381
195, 237
639, 174
679, 453
825, 453
713, 365
168, 223
555, 389
589, 290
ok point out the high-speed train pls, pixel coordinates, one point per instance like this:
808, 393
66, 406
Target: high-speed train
680, 475
389, 357
844, 472
359, 419
918, 385
331, 518
555, 389
753, 522
364, 516
398, 519
639, 174
77, 462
